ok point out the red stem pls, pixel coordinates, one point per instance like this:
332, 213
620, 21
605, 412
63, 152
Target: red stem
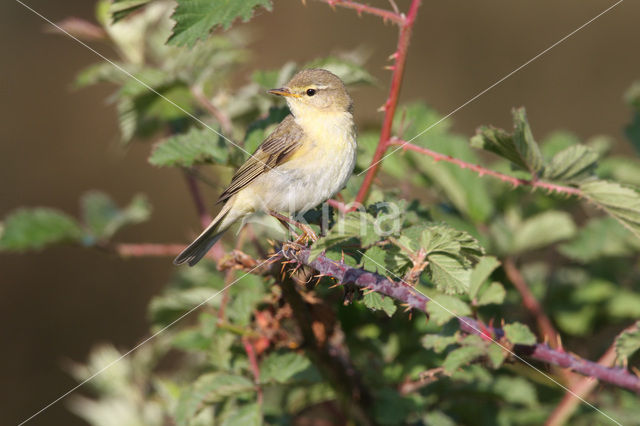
400, 57
484, 171
255, 369
530, 302
386, 15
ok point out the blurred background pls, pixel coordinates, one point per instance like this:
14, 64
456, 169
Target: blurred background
56, 143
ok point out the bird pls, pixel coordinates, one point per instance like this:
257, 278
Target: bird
307, 159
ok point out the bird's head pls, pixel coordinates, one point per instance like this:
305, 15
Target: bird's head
315, 91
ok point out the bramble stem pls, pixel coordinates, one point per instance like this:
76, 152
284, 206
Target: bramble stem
386, 15
551, 187
400, 58
409, 296
530, 302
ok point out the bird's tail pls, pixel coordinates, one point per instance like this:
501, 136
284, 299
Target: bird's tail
199, 248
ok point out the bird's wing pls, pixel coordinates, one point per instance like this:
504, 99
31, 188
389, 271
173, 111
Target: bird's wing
274, 150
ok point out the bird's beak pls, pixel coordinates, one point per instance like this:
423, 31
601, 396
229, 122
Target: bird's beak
283, 91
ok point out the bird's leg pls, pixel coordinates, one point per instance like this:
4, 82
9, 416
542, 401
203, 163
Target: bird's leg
307, 231
284, 221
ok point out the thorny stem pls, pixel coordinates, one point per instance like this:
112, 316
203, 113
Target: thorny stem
551, 187
530, 302
408, 296
582, 388
386, 15
400, 57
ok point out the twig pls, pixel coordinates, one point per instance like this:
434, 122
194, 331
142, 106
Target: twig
582, 388
530, 302
551, 187
221, 118
386, 15
148, 250
426, 377
255, 369
407, 295
338, 371
400, 57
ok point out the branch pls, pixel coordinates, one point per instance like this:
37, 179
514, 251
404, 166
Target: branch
255, 369
581, 388
530, 302
407, 295
551, 187
400, 57
386, 15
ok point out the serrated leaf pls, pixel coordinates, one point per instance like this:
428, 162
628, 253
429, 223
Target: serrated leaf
282, 367
359, 225
386, 261
493, 294
198, 146
211, 387
622, 203
461, 356
247, 415
572, 165
376, 302
518, 147
33, 229
627, 343
195, 19
442, 308
542, 230
481, 272
448, 274
99, 73
104, 218
519, 334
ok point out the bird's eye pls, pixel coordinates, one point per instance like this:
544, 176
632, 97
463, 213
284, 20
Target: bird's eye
311, 92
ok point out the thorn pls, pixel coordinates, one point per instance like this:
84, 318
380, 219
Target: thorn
383, 108
393, 56
390, 67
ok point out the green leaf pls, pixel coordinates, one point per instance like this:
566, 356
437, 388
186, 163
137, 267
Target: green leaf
632, 131
516, 390
282, 367
496, 355
519, 334
448, 274
358, 225
461, 356
481, 273
198, 146
518, 147
211, 387
195, 19
33, 229
441, 308
599, 238
102, 72
438, 343
622, 203
437, 418
247, 415
387, 260
542, 230
104, 218
376, 302
628, 342
572, 165
494, 294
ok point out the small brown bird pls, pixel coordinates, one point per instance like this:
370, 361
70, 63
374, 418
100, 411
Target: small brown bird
305, 161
